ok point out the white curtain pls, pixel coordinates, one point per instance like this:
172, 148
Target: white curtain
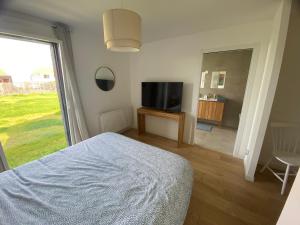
3, 162
75, 116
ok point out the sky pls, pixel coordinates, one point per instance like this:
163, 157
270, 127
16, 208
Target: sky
20, 58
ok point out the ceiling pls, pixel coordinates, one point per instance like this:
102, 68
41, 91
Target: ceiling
160, 18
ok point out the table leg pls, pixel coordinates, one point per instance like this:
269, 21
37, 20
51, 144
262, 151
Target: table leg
181, 129
141, 123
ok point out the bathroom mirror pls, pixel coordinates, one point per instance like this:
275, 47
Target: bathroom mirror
105, 78
218, 79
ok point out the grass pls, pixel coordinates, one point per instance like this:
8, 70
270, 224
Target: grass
30, 127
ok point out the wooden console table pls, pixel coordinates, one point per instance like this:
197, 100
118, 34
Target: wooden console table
179, 117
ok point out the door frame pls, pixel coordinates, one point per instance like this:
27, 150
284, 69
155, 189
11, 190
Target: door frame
238, 152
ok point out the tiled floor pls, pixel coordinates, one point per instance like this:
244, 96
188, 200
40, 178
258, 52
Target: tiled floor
220, 139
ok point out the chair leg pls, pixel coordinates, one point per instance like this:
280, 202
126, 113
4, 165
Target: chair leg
266, 165
286, 176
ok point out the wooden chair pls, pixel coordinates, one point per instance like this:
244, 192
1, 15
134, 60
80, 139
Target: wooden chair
3, 162
285, 138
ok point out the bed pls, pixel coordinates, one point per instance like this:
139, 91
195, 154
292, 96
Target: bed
107, 179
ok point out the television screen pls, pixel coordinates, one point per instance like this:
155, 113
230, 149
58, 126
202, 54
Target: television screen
162, 95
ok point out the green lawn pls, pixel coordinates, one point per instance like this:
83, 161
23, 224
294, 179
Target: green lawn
30, 127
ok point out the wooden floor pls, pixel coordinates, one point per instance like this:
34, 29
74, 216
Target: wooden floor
220, 194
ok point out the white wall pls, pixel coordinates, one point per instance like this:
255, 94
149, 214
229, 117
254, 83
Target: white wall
179, 59
89, 54
291, 209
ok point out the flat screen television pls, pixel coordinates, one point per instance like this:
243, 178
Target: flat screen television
162, 95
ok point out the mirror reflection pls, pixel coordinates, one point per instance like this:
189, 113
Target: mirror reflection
105, 78
218, 79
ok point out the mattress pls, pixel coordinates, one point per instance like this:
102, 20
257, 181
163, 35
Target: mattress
107, 179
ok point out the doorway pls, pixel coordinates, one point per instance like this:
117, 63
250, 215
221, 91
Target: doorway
223, 83
31, 111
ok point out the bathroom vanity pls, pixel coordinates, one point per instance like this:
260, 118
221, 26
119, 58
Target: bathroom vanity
211, 110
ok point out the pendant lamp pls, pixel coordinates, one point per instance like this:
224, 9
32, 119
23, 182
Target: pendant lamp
122, 30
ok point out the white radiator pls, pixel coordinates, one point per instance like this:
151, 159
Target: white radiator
117, 120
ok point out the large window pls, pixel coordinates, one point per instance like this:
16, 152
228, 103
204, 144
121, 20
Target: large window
31, 118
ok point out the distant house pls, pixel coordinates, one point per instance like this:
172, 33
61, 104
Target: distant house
5, 79
42, 78
42, 75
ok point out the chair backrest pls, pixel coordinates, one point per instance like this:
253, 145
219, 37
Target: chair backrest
285, 137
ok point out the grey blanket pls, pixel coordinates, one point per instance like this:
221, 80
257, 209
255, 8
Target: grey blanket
108, 179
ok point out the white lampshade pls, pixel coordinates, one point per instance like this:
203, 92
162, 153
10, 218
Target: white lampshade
122, 30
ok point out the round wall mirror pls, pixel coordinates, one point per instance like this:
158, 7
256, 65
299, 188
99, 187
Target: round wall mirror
105, 78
